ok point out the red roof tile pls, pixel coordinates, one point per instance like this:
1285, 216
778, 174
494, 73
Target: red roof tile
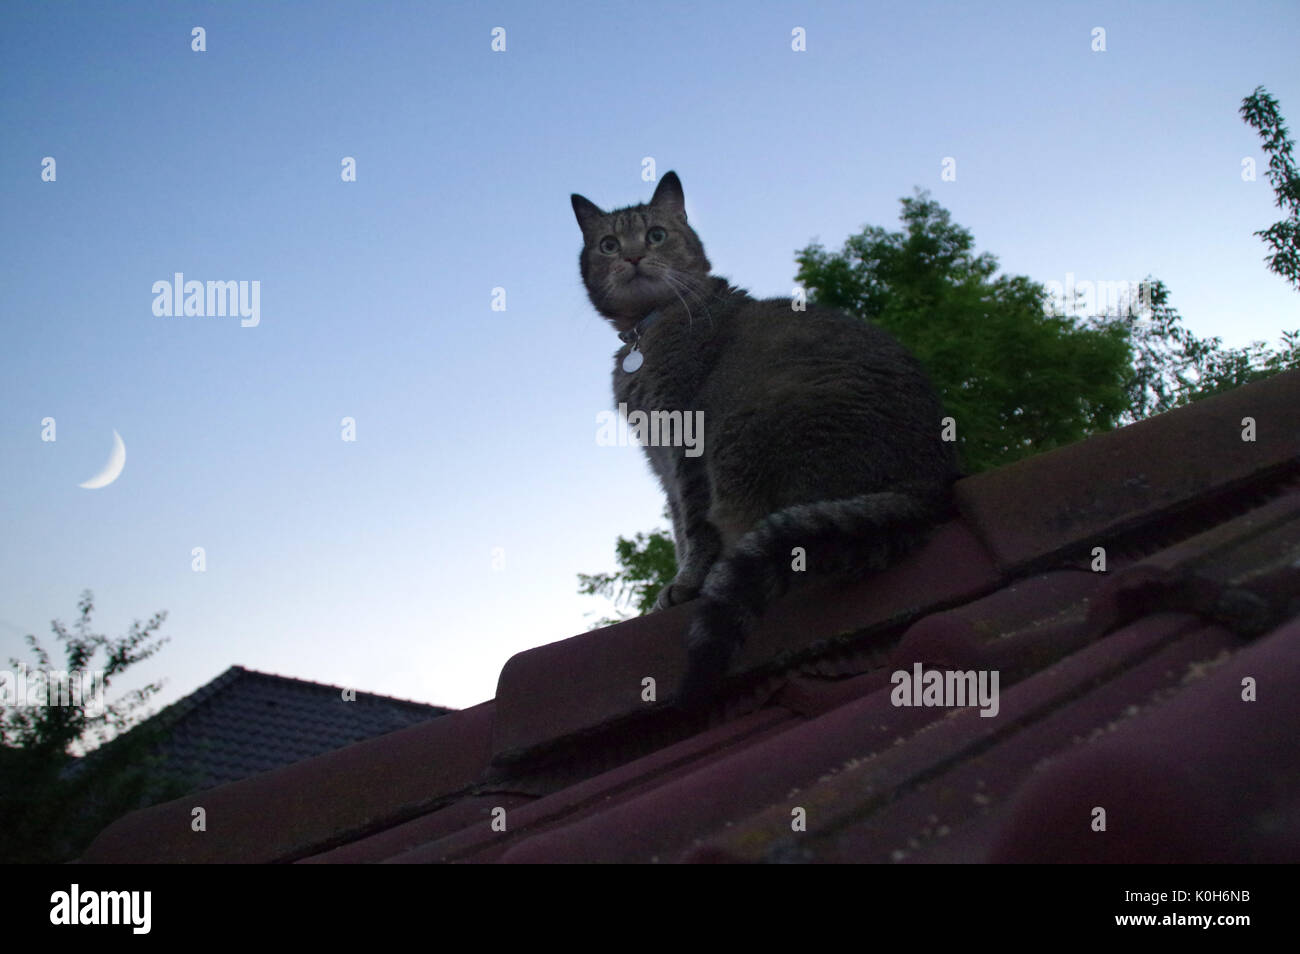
1119, 690
538, 707
1206, 777
1079, 495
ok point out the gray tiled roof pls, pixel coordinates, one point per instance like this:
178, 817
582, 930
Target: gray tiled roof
246, 722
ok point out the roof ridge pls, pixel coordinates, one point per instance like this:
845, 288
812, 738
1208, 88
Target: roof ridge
312, 684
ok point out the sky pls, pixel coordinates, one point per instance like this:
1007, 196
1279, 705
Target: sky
416, 558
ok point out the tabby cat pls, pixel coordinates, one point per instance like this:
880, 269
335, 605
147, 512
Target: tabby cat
820, 430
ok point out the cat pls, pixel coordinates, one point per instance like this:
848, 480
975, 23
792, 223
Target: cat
820, 430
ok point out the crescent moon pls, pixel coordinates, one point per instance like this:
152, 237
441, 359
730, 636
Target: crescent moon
113, 469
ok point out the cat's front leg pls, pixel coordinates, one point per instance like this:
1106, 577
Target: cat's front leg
696, 540
684, 587
686, 584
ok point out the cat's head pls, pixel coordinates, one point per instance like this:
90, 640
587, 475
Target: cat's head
641, 257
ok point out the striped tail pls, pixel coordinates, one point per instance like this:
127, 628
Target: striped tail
843, 539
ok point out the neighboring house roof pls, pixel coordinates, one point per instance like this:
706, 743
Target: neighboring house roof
1129, 690
246, 722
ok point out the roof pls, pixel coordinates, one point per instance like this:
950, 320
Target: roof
246, 722
1163, 689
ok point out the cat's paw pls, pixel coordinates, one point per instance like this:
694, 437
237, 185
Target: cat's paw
675, 593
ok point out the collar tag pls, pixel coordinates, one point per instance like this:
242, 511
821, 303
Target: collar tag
635, 358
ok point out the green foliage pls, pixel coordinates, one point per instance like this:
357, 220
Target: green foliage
647, 563
1172, 367
1017, 379
1261, 111
53, 802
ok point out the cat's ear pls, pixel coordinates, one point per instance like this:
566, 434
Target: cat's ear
586, 211
668, 195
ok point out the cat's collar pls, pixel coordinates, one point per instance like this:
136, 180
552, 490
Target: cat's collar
633, 337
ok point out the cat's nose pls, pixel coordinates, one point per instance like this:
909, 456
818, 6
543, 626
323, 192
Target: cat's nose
633, 260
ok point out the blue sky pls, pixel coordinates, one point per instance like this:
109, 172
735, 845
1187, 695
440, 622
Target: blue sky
369, 563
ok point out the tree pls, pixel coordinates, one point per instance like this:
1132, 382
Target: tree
647, 563
1172, 367
1017, 377
1261, 111
55, 802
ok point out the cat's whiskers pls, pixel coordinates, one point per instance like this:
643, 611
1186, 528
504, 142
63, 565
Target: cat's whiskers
686, 282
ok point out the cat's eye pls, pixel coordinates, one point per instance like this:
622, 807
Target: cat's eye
609, 245
656, 235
